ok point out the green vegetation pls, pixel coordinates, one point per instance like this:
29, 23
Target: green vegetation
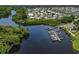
10, 36
74, 38
76, 41
42, 21
5, 12
20, 16
67, 19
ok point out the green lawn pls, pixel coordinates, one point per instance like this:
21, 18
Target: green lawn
76, 41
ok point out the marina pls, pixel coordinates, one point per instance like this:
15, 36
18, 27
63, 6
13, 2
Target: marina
55, 34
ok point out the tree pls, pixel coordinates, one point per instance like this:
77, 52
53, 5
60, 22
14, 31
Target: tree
67, 19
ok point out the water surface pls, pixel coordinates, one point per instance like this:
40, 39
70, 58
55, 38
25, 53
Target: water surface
39, 41
8, 20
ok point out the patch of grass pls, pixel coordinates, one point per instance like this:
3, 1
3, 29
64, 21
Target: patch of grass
76, 41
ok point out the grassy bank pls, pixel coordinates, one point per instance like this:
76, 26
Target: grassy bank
76, 41
74, 38
10, 36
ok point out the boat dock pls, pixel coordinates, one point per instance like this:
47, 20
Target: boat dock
55, 35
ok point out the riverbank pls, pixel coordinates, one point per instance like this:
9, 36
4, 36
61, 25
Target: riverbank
42, 21
10, 36
74, 38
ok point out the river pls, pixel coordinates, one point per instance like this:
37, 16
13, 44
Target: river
39, 41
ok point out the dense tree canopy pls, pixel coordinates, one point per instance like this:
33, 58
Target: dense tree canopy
21, 15
67, 19
42, 21
10, 36
5, 11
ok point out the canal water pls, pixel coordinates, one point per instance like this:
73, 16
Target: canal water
39, 41
8, 20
